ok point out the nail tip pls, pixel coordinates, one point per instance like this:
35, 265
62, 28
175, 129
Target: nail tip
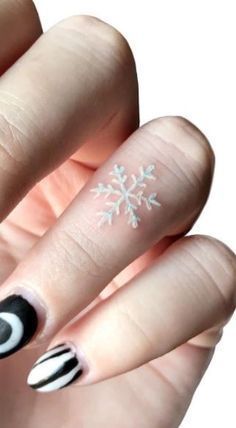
56, 369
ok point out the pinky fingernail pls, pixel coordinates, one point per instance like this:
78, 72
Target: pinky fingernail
55, 369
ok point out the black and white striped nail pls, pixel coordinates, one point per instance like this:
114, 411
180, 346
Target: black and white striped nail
56, 369
18, 323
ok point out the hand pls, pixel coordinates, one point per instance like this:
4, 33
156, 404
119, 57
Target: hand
94, 211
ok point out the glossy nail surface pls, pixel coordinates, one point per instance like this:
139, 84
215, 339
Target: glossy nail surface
18, 323
56, 369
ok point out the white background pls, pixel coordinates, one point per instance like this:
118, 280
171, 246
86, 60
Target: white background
185, 55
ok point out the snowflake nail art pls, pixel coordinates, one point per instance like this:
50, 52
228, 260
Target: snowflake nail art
128, 197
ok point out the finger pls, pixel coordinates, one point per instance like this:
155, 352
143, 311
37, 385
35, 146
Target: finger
173, 378
19, 29
189, 290
59, 95
77, 258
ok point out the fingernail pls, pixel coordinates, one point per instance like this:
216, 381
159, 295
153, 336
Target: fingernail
56, 369
18, 323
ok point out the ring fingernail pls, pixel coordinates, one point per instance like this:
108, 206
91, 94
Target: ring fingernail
18, 323
56, 369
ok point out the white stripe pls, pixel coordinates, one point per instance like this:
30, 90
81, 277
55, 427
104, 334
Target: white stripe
17, 331
52, 352
60, 382
48, 368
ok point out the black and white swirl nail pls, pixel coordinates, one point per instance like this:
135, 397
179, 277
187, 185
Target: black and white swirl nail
18, 323
56, 369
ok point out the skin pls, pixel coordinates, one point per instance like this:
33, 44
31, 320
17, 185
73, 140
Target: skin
150, 304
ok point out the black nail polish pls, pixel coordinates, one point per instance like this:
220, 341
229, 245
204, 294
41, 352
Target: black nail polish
57, 368
18, 323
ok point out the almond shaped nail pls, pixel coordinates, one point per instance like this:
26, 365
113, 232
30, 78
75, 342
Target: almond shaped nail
57, 368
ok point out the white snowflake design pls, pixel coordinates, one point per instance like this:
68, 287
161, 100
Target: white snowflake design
130, 196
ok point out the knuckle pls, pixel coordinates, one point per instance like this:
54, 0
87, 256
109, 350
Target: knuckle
184, 150
80, 21
117, 44
187, 139
107, 39
219, 262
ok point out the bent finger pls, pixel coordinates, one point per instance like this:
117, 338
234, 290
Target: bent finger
190, 289
61, 94
77, 258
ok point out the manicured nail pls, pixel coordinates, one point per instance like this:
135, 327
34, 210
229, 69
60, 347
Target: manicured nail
56, 369
18, 323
